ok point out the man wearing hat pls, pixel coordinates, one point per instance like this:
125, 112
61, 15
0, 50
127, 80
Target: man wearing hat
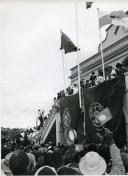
93, 164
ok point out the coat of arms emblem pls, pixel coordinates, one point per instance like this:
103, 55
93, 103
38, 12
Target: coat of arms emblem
66, 118
95, 109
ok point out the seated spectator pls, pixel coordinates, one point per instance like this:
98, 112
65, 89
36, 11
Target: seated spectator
100, 77
113, 72
75, 89
45, 118
50, 112
120, 69
87, 85
108, 73
69, 91
49, 116
65, 170
56, 103
93, 79
58, 96
53, 109
19, 162
62, 94
45, 170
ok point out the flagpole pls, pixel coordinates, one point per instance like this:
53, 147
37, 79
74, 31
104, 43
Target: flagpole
101, 46
78, 55
63, 69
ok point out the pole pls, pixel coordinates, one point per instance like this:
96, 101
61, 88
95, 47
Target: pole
78, 55
63, 70
84, 113
101, 47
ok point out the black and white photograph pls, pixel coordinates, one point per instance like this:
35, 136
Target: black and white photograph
64, 87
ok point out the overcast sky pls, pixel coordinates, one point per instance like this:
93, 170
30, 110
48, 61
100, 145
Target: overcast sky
32, 71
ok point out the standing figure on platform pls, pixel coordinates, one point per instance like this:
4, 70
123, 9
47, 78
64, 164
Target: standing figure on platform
41, 118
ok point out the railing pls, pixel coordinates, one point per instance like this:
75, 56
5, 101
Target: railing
46, 125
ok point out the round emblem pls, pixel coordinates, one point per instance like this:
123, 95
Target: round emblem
66, 118
95, 109
102, 117
70, 135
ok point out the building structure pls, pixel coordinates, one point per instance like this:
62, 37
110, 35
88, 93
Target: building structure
115, 49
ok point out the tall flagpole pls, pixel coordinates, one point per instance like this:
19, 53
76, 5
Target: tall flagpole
78, 55
63, 69
101, 46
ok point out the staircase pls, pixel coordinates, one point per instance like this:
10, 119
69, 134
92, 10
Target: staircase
43, 133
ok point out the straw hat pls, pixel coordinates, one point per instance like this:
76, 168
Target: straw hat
92, 164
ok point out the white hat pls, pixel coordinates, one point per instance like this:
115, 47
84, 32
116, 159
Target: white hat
92, 164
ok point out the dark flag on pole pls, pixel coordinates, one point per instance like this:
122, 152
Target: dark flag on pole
67, 44
88, 5
106, 99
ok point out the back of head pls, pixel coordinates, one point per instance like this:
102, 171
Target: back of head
104, 151
40, 162
18, 162
45, 170
91, 147
70, 155
65, 170
57, 159
48, 159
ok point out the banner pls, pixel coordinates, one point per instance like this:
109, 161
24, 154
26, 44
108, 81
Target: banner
71, 116
106, 95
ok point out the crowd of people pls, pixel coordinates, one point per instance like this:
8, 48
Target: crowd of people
21, 156
50, 159
110, 73
95, 79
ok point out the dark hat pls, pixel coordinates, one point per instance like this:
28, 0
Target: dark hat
118, 65
18, 162
65, 170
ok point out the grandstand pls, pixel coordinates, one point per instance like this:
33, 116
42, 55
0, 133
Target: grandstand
114, 52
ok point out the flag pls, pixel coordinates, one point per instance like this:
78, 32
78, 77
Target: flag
71, 116
67, 44
104, 116
106, 99
118, 18
88, 5
104, 18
